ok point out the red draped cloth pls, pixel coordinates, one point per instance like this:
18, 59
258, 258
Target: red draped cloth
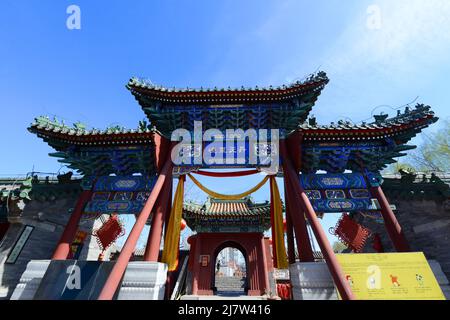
351, 233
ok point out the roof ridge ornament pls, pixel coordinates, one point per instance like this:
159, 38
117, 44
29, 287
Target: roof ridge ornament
380, 118
145, 83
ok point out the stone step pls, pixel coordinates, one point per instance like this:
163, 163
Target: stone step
230, 283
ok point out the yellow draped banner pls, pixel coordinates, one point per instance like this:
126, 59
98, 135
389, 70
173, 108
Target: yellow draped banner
277, 224
172, 237
228, 196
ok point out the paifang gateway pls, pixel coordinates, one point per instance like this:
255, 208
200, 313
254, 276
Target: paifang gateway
66, 228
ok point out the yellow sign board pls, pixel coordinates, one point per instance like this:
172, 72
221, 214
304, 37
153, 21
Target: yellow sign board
390, 276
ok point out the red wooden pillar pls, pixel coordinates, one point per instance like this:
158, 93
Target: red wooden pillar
170, 282
163, 148
159, 216
156, 208
289, 234
63, 248
265, 268
390, 221
196, 263
295, 211
327, 251
294, 151
119, 268
162, 211
305, 252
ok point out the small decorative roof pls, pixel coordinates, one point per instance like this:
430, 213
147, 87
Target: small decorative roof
369, 146
59, 134
412, 121
115, 150
227, 215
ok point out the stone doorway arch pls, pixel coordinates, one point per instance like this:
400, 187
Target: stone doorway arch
229, 283
204, 248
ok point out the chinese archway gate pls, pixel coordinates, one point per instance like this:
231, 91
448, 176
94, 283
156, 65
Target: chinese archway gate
131, 171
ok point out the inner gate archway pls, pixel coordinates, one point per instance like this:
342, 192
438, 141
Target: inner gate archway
230, 276
206, 246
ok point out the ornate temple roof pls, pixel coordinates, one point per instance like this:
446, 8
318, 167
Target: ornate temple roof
335, 147
282, 107
371, 146
227, 215
99, 152
143, 88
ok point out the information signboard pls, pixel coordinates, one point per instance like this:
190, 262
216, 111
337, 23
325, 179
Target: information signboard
20, 243
390, 276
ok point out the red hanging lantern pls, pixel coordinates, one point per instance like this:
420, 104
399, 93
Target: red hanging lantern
183, 224
284, 225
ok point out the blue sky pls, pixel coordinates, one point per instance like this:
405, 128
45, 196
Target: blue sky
80, 75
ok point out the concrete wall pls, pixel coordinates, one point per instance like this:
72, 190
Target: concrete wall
426, 225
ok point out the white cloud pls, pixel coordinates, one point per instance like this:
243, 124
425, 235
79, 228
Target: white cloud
414, 36
408, 56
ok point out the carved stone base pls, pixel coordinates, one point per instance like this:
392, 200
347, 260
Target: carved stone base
312, 281
143, 281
